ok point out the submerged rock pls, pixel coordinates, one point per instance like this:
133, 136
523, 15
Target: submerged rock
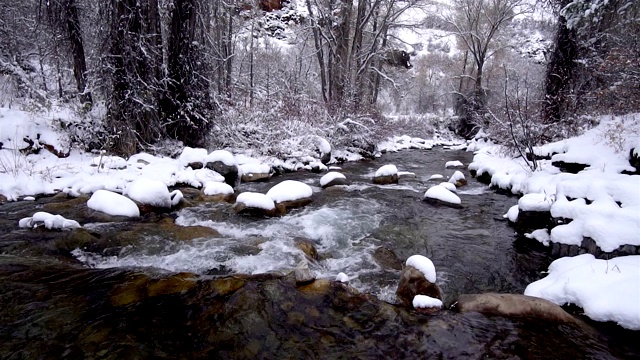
387, 259
307, 246
513, 305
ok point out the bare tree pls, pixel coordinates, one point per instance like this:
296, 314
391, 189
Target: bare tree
477, 23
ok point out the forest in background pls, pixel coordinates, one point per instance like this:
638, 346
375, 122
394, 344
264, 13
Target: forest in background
247, 73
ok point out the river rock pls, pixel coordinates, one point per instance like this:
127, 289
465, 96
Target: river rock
387, 259
229, 172
242, 209
412, 283
568, 167
634, 160
513, 305
386, 179
307, 246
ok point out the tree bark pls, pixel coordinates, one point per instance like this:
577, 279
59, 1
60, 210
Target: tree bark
74, 34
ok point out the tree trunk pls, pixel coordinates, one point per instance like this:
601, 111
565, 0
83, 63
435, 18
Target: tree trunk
559, 72
77, 50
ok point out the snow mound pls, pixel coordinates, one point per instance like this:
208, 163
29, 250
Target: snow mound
435, 177
255, 168
512, 213
541, 235
216, 188
289, 190
607, 290
425, 302
192, 155
424, 265
330, 176
457, 176
149, 192
453, 164
342, 277
49, 221
256, 200
449, 186
109, 162
386, 170
223, 156
441, 193
535, 202
113, 204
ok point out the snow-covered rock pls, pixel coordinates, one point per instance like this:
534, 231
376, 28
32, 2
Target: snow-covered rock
607, 290
217, 188
417, 278
426, 302
291, 193
255, 171
436, 177
453, 164
424, 265
535, 202
541, 235
225, 164
512, 214
458, 179
387, 174
113, 204
332, 178
441, 195
49, 221
153, 193
449, 186
342, 277
253, 203
194, 157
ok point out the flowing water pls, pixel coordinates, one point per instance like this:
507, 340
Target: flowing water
473, 248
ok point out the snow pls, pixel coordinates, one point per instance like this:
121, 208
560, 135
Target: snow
436, 177
386, 170
342, 277
449, 186
512, 213
149, 192
424, 302
256, 200
289, 190
323, 145
223, 156
113, 204
216, 188
535, 202
593, 199
191, 155
330, 176
424, 265
607, 290
255, 168
441, 193
109, 162
541, 235
49, 221
456, 163
457, 176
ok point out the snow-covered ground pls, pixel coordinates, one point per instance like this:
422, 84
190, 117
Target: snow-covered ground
601, 202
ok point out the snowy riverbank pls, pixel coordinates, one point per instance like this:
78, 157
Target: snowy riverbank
601, 201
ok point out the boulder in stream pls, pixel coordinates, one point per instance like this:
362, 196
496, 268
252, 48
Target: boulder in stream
417, 278
385, 175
